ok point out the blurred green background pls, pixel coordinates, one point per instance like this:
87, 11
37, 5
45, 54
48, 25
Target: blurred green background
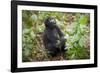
75, 26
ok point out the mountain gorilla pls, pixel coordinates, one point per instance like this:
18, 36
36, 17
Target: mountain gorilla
53, 38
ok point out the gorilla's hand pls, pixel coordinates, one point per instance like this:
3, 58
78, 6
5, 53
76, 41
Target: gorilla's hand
61, 43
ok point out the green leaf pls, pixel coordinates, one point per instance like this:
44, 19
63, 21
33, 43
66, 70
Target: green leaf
34, 17
83, 20
26, 31
32, 34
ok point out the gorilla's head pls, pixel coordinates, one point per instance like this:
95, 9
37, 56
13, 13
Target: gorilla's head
50, 22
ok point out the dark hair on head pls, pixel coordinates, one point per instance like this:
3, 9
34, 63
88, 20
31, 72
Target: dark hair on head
49, 20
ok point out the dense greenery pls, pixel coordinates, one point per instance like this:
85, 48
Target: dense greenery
75, 26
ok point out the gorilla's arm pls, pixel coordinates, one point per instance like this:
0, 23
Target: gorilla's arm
59, 32
62, 38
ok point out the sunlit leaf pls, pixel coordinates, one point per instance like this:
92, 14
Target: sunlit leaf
34, 17
83, 20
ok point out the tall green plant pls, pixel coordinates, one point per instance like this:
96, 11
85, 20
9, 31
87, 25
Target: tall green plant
78, 36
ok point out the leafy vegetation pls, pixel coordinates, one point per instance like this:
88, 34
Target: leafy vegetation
75, 26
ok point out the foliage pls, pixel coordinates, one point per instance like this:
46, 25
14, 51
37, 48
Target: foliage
78, 38
75, 26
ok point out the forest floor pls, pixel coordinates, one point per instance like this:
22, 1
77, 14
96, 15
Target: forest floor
58, 57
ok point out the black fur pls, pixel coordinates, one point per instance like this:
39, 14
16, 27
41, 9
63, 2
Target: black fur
53, 38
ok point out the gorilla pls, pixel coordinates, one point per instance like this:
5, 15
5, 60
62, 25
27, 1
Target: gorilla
53, 37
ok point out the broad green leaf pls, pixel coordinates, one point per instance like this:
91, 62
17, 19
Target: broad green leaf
34, 18
83, 20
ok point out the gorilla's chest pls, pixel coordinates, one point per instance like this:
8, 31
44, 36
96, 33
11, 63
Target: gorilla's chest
54, 34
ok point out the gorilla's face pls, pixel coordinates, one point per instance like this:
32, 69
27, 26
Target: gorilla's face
50, 22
